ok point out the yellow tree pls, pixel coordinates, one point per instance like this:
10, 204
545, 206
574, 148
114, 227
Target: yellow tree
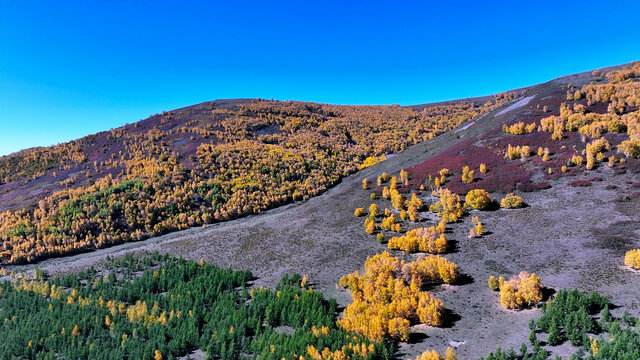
371, 227
479, 229
477, 199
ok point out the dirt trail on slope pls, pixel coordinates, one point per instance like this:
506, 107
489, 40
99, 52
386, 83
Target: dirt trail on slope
553, 237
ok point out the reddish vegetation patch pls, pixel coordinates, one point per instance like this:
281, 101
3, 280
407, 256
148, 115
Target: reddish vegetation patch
502, 176
597, 178
533, 186
631, 164
598, 108
580, 183
611, 187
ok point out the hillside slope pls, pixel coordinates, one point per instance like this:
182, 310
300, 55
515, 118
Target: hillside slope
201, 164
573, 233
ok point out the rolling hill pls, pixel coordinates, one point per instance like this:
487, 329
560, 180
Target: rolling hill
568, 148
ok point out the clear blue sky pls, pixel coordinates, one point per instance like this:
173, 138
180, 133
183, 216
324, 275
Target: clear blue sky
70, 68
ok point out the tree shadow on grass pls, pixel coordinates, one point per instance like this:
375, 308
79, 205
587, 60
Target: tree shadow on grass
547, 293
452, 246
416, 337
449, 319
493, 206
464, 279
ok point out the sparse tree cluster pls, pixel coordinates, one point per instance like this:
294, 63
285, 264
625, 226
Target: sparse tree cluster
520, 128
423, 239
520, 291
515, 152
388, 298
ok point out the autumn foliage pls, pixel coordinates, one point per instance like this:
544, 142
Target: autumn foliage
422, 239
632, 259
448, 207
433, 355
520, 291
206, 163
478, 199
388, 298
511, 201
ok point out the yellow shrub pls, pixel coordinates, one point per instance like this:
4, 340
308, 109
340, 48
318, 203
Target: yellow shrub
397, 200
521, 291
477, 199
577, 160
630, 148
370, 161
493, 283
511, 201
370, 227
388, 223
632, 258
420, 239
467, 175
433, 355
359, 212
448, 207
374, 210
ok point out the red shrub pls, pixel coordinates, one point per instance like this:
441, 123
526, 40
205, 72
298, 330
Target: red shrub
533, 186
580, 183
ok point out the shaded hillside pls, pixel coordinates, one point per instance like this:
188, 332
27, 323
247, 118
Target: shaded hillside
210, 162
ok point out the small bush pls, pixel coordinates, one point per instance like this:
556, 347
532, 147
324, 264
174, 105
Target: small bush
632, 259
359, 212
576, 160
630, 148
511, 201
370, 227
520, 291
374, 210
494, 284
477, 199
530, 187
467, 175
580, 183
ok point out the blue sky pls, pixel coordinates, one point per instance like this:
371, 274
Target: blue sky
72, 68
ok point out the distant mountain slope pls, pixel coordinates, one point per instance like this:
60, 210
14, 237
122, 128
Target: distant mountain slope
199, 164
